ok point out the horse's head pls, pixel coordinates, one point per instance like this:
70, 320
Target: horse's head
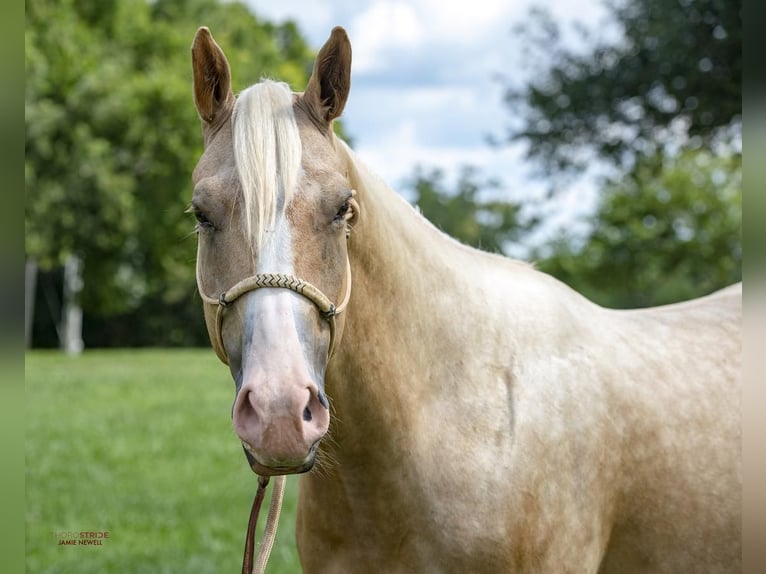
274, 207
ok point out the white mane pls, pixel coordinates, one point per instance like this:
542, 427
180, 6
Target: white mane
267, 152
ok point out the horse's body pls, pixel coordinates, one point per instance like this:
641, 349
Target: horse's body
490, 419
487, 418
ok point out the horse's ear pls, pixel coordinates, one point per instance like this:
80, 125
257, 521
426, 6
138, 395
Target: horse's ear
212, 76
327, 90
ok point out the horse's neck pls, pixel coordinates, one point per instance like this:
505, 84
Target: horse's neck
409, 317
381, 375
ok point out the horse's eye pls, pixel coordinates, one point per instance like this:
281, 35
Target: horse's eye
347, 211
344, 210
202, 221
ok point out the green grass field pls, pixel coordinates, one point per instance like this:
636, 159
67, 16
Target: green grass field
139, 443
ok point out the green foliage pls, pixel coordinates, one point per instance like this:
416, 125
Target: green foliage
112, 137
669, 231
140, 444
676, 73
661, 108
471, 212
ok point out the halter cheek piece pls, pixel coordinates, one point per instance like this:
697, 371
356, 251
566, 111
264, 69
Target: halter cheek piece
327, 310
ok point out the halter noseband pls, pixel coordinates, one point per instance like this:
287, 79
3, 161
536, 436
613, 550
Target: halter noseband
327, 310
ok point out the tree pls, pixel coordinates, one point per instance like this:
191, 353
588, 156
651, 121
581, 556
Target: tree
112, 137
660, 109
471, 212
674, 79
669, 232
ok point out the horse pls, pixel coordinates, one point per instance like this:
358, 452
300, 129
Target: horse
450, 410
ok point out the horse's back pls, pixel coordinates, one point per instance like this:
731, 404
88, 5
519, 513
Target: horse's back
727, 298
679, 508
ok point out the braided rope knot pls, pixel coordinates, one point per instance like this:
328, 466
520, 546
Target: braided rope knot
285, 281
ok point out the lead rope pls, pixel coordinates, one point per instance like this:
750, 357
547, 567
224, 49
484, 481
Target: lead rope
272, 521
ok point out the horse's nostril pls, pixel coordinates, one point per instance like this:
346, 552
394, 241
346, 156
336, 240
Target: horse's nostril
307, 414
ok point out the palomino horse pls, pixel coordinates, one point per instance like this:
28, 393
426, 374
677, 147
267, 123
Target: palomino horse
482, 416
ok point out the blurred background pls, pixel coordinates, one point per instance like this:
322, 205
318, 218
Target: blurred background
601, 140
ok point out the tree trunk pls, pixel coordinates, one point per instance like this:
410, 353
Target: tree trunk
71, 316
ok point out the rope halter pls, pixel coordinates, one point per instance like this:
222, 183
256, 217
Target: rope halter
327, 310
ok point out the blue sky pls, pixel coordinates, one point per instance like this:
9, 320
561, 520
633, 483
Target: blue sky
423, 82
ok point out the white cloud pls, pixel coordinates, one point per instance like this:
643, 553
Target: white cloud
444, 116
379, 28
314, 18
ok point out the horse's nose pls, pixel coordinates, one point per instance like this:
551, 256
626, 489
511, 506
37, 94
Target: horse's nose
281, 428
